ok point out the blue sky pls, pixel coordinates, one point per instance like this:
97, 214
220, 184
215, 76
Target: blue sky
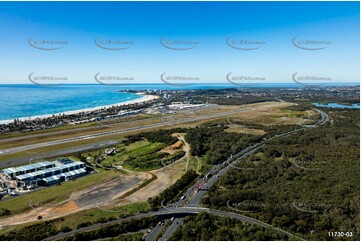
208, 23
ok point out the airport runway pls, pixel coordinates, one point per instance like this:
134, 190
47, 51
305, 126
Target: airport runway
119, 131
57, 153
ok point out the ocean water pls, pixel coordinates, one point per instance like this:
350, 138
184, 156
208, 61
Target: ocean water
23, 101
337, 105
28, 100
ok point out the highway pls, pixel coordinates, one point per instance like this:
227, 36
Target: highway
153, 234
137, 216
172, 228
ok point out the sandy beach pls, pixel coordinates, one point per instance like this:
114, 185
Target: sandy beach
143, 99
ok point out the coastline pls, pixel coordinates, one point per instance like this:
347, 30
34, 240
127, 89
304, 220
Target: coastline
143, 99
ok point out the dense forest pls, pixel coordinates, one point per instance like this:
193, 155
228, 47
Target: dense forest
218, 145
206, 227
38, 231
161, 136
113, 230
307, 184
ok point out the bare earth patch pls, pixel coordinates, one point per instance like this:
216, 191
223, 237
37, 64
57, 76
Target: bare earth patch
239, 129
81, 200
172, 149
164, 180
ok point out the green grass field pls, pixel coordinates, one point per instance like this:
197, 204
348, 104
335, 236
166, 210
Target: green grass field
137, 149
144, 149
95, 215
139, 156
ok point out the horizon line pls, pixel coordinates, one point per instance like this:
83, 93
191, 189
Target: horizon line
188, 83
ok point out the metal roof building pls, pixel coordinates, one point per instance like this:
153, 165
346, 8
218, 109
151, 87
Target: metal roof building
67, 175
75, 173
52, 180
20, 170
52, 171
